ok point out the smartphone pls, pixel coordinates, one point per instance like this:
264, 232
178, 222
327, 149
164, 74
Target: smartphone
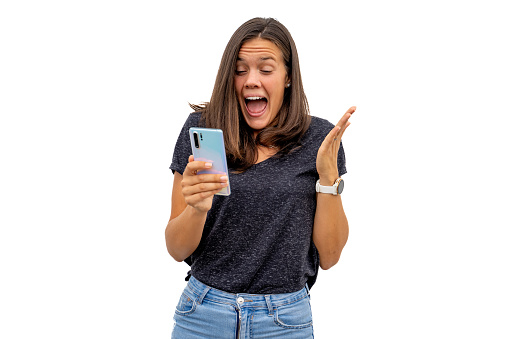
208, 145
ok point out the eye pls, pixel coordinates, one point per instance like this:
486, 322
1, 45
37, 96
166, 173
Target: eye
265, 71
240, 72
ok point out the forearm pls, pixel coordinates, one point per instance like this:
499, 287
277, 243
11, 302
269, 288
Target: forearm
330, 230
183, 233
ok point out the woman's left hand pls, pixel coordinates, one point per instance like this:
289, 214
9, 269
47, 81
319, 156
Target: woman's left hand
327, 157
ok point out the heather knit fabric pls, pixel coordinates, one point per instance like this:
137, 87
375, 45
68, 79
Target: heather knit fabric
258, 239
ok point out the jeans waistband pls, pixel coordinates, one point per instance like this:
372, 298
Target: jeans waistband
204, 292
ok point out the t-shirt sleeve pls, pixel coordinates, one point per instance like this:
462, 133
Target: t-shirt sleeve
182, 149
341, 160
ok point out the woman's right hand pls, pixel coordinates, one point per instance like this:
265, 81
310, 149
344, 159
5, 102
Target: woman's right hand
199, 189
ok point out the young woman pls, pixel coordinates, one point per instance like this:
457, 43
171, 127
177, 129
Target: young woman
255, 254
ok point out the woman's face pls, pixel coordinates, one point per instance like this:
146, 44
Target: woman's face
260, 80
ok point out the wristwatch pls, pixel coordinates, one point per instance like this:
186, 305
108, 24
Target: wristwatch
335, 189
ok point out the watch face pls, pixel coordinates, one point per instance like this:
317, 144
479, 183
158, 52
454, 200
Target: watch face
340, 186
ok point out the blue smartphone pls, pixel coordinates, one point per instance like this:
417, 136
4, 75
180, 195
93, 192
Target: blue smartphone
208, 145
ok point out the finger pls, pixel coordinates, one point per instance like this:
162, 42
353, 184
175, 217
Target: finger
330, 138
342, 131
343, 123
204, 178
193, 167
344, 119
351, 110
197, 198
203, 187
190, 159
346, 116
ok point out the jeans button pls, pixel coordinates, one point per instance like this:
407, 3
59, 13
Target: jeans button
240, 300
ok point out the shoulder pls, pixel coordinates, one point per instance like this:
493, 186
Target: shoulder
318, 128
193, 120
320, 123
182, 148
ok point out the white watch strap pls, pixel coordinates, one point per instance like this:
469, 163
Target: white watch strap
327, 189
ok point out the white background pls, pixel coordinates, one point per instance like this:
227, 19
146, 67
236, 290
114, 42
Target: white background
94, 93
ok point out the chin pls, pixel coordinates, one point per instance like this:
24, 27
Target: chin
256, 124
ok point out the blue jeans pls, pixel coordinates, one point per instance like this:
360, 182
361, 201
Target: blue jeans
207, 313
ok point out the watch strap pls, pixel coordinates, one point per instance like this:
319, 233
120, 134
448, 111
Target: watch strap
328, 189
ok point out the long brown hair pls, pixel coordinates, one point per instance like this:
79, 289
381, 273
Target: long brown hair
224, 112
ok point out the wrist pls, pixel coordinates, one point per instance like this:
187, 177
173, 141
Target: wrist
197, 211
327, 180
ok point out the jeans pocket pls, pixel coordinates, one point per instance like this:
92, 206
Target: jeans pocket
295, 315
186, 305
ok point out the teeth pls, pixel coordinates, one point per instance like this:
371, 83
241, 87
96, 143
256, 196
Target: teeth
254, 98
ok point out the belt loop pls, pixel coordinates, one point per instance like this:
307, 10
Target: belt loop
269, 305
203, 294
307, 289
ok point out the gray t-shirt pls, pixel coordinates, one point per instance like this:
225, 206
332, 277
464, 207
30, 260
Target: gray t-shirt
258, 239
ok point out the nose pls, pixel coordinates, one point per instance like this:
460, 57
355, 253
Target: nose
252, 80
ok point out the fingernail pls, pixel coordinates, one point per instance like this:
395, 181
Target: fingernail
224, 184
208, 165
224, 178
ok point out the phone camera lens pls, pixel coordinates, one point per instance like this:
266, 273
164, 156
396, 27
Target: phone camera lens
196, 142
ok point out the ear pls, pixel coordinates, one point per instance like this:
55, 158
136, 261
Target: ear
287, 81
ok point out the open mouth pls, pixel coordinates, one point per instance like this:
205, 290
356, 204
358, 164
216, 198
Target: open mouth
255, 105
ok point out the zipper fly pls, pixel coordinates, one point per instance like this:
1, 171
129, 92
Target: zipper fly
238, 323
